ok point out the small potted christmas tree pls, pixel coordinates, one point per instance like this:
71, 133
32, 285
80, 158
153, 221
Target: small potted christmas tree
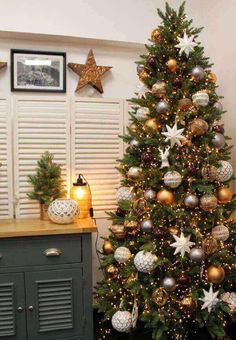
46, 182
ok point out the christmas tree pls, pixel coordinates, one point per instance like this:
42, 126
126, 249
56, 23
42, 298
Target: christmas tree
169, 259
47, 182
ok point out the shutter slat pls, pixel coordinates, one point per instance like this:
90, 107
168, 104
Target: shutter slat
7, 315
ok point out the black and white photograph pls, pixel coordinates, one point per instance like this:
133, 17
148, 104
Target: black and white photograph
38, 71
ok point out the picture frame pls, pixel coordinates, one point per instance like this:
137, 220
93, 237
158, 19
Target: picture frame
38, 71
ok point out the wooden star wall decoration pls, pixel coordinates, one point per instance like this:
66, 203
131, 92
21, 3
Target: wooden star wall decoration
89, 73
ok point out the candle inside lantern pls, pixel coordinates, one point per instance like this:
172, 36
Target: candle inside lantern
81, 193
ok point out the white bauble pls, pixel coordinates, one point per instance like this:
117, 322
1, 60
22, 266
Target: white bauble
172, 179
134, 172
150, 195
145, 262
142, 113
123, 194
230, 299
200, 98
63, 211
122, 321
220, 232
224, 172
122, 254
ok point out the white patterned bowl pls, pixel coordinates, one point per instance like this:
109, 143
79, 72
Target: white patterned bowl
63, 211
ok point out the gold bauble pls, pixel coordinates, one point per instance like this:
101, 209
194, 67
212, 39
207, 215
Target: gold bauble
130, 227
151, 123
156, 35
224, 195
187, 304
118, 232
198, 127
212, 77
107, 247
160, 296
208, 202
174, 231
210, 245
133, 127
185, 141
209, 172
165, 197
143, 75
172, 65
185, 104
215, 274
112, 271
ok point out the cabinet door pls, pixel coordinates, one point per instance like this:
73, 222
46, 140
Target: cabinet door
12, 307
54, 304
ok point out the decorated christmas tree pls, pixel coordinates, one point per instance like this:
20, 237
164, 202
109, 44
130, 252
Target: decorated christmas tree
170, 256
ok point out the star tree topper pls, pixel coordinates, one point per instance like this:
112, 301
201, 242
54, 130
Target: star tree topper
182, 244
210, 299
173, 134
89, 73
186, 44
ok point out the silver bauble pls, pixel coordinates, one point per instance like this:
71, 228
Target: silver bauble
191, 201
198, 73
169, 284
122, 254
134, 172
123, 194
220, 232
200, 98
162, 107
224, 172
218, 140
218, 106
146, 226
140, 68
197, 254
150, 195
145, 262
134, 143
122, 321
142, 113
172, 179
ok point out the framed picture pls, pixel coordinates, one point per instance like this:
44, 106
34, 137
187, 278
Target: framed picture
38, 71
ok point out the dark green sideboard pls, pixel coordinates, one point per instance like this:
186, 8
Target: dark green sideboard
46, 280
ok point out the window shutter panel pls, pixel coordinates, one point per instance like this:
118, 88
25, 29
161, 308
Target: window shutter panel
41, 124
96, 124
6, 198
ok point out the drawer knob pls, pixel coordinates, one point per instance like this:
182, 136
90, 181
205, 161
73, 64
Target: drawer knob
51, 252
31, 308
20, 309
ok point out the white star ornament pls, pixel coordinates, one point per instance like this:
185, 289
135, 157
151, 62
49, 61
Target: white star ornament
186, 44
182, 244
210, 299
173, 135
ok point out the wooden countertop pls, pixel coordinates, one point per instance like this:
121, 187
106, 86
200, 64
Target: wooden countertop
36, 227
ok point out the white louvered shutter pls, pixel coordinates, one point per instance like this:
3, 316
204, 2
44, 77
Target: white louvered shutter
6, 198
41, 124
96, 124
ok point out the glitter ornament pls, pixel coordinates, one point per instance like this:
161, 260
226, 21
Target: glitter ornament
146, 226
147, 157
112, 271
159, 89
134, 172
142, 113
197, 254
160, 296
162, 107
224, 195
122, 254
169, 284
145, 262
208, 202
172, 179
210, 245
185, 104
187, 304
224, 172
165, 197
152, 124
198, 127
191, 201
123, 194
118, 231
143, 75
200, 98
122, 321
218, 141
150, 195
156, 35
215, 274
209, 172
220, 232
198, 73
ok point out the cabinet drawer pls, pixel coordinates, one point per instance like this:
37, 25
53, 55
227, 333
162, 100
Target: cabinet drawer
40, 251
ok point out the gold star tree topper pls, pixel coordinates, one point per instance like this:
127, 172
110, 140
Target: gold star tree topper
89, 73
